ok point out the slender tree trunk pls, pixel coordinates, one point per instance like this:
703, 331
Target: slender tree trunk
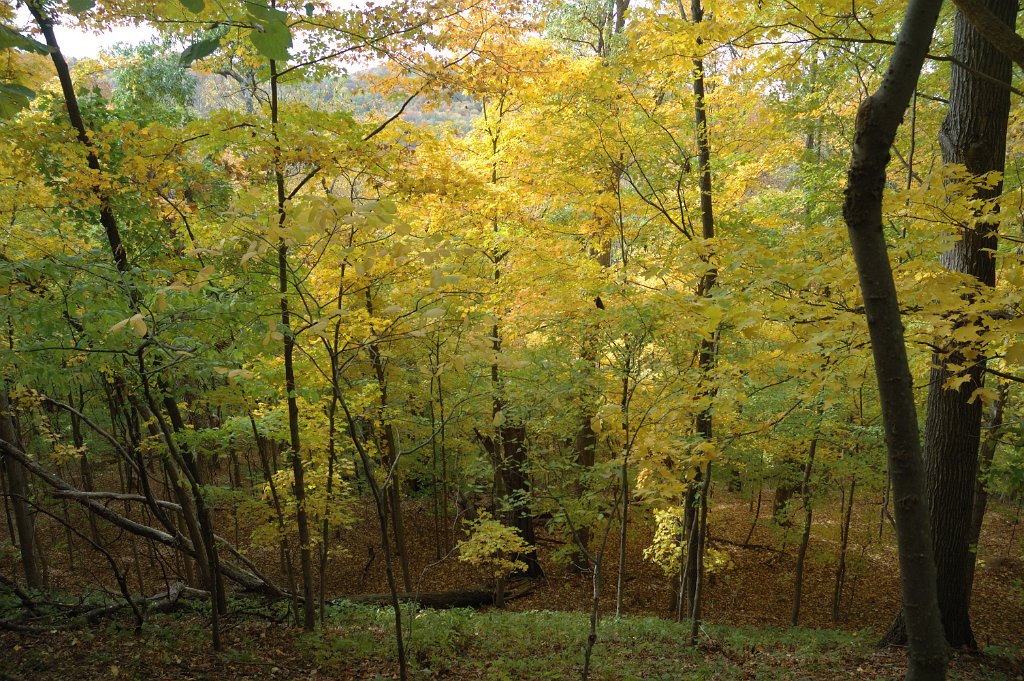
389, 455
18, 491
708, 280
878, 119
985, 456
262, 445
844, 542
757, 513
691, 521
805, 537
508, 449
702, 536
624, 472
295, 441
380, 502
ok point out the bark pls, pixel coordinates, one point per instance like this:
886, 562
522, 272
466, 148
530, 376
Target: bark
509, 457
785, 488
878, 119
985, 456
973, 134
991, 24
706, 355
389, 455
380, 502
757, 513
244, 578
18, 490
508, 450
844, 542
805, 537
691, 525
702, 536
295, 442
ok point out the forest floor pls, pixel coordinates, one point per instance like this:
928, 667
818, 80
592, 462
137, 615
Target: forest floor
748, 607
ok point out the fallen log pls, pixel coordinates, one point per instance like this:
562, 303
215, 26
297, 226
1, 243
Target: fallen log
159, 602
438, 600
163, 601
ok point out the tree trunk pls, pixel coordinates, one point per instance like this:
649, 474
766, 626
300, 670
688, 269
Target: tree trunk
878, 118
295, 443
844, 542
973, 134
702, 536
18, 490
798, 578
985, 456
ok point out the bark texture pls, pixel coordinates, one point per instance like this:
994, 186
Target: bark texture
973, 134
878, 119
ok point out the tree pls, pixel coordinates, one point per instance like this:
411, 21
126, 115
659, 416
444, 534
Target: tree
973, 135
878, 118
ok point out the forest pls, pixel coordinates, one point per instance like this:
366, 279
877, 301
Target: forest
512, 339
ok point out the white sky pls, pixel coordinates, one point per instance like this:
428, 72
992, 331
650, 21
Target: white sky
77, 42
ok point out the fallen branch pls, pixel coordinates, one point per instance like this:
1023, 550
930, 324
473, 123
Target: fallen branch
159, 602
244, 578
113, 496
439, 600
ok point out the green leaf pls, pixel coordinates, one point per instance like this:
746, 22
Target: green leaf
271, 38
309, 9
14, 98
263, 14
196, 51
10, 38
79, 6
194, 6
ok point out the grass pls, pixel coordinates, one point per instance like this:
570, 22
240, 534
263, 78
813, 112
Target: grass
549, 645
357, 642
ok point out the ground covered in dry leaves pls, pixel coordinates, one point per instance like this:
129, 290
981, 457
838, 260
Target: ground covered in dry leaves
541, 636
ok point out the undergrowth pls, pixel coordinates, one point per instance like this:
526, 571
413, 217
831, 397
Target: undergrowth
357, 642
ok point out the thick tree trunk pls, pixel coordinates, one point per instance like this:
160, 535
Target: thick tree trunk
878, 119
974, 135
509, 457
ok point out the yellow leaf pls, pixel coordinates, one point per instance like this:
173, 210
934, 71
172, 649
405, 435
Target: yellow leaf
986, 395
1015, 354
954, 382
201, 279
138, 325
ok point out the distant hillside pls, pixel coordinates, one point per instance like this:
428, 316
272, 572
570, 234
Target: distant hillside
351, 92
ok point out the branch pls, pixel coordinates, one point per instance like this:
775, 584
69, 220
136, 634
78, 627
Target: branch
992, 28
380, 128
244, 578
77, 495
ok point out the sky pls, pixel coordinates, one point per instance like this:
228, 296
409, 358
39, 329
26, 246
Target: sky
79, 43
